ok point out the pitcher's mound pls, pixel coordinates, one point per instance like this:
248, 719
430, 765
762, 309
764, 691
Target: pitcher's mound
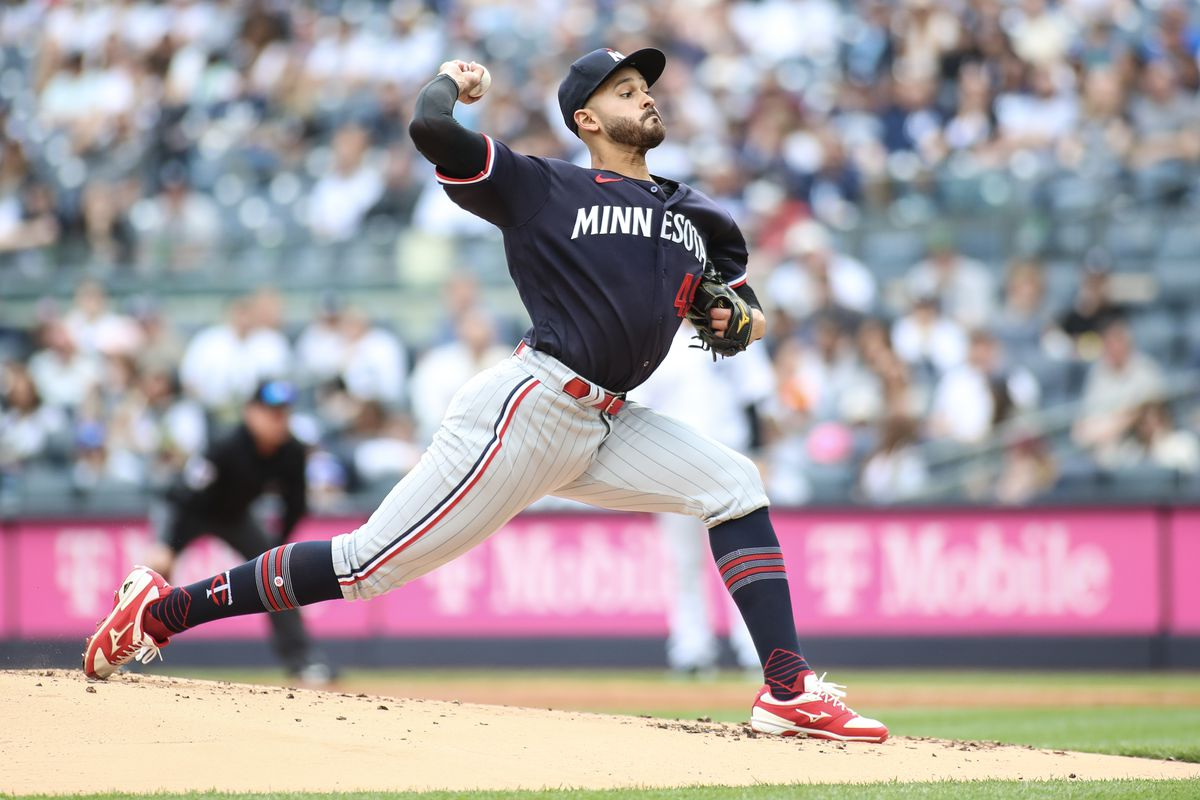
141, 734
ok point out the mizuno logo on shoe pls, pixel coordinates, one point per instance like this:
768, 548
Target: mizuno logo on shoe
115, 635
813, 717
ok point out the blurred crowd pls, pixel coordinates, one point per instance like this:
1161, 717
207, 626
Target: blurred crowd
154, 132
153, 137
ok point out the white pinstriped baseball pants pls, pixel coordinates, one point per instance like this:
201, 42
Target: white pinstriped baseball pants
512, 436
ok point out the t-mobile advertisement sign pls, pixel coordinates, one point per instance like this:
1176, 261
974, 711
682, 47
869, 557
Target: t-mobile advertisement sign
893, 573
1185, 561
974, 573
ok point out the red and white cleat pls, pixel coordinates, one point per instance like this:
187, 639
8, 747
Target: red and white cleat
121, 638
818, 713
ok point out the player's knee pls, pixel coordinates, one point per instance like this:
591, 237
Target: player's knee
742, 493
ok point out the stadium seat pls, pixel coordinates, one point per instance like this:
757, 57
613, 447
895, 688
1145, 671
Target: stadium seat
1178, 279
889, 253
1156, 332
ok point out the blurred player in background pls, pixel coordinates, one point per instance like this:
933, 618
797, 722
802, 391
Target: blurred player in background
733, 390
213, 494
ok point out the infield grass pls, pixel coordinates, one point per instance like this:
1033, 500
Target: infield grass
975, 790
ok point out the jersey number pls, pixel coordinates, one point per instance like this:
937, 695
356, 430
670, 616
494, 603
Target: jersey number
685, 295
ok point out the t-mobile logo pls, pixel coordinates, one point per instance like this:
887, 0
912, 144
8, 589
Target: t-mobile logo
838, 566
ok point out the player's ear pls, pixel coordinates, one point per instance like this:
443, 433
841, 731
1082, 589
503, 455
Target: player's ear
586, 120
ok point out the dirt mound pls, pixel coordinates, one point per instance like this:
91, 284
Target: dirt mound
141, 734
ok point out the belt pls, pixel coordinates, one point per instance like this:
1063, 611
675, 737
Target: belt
586, 392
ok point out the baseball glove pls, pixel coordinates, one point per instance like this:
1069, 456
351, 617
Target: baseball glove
712, 292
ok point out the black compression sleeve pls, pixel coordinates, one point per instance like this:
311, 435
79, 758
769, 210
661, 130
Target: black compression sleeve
746, 293
456, 151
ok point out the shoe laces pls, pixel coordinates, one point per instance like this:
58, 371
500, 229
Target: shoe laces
828, 691
148, 651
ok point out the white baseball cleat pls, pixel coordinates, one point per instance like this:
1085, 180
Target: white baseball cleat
818, 713
121, 638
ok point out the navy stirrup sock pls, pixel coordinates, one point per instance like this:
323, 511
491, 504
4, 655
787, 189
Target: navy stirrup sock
284, 577
750, 560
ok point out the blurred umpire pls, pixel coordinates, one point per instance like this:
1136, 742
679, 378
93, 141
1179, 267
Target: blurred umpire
214, 494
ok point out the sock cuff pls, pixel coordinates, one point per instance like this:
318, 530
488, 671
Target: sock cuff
273, 579
749, 565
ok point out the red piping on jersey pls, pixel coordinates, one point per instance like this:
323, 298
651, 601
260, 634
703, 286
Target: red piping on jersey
482, 176
453, 502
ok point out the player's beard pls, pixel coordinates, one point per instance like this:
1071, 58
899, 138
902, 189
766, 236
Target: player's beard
640, 135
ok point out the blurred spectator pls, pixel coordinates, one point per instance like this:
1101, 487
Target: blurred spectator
343, 196
98, 329
1154, 439
444, 369
63, 374
813, 259
384, 445
820, 380
927, 338
224, 362
162, 346
27, 427
165, 428
27, 219
1041, 32
1024, 318
1029, 471
1165, 120
268, 343
1102, 137
972, 126
179, 229
322, 345
895, 471
1173, 37
963, 285
971, 399
1120, 380
376, 362
106, 231
1092, 310
1039, 113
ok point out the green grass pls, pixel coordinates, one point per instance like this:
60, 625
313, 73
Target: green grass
977, 790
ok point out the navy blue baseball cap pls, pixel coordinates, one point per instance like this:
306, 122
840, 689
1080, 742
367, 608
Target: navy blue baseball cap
275, 394
586, 75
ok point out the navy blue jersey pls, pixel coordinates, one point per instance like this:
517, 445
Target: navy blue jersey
605, 264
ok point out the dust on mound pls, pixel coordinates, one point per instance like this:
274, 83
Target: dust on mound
142, 734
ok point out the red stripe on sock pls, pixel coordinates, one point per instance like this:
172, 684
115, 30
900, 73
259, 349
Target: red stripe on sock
768, 556
266, 579
750, 572
279, 573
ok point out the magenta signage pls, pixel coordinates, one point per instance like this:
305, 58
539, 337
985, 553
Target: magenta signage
545, 575
974, 573
884, 573
7, 612
67, 571
1184, 554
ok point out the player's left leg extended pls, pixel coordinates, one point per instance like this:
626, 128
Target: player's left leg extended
652, 462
